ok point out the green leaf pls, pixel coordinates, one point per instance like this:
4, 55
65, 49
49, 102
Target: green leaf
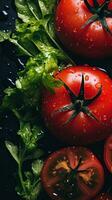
47, 6
4, 36
13, 149
50, 83
30, 135
34, 155
37, 167
23, 10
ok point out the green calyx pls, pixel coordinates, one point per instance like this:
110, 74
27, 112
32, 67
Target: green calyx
79, 103
100, 13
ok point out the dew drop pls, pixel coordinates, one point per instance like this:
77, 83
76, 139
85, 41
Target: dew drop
59, 29
3, 15
104, 117
94, 69
10, 80
61, 22
86, 78
110, 146
98, 85
74, 31
6, 7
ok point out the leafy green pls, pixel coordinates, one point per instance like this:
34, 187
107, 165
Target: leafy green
32, 187
13, 149
47, 7
30, 136
4, 36
37, 166
35, 38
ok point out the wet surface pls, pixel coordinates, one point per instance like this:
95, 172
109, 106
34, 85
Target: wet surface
10, 64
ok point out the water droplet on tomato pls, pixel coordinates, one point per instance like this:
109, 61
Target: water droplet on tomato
98, 85
104, 117
110, 146
91, 39
61, 22
59, 29
86, 78
74, 31
85, 17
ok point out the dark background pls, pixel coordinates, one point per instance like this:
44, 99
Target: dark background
9, 65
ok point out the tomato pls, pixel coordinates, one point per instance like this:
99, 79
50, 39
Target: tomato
85, 28
80, 111
72, 173
108, 153
104, 196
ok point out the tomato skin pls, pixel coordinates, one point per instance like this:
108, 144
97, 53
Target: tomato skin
71, 154
108, 153
103, 196
90, 42
82, 129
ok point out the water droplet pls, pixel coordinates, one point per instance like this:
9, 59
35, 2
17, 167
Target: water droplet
85, 17
74, 31
98, 85
86, 78
104, 117
110, 146
61, 22
54, 105
59, 29
8, 64
3, 15
10, 80
6, 7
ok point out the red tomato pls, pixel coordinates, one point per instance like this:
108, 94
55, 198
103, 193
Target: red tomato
104, 196
93, 40
75, 116
108, 153
72, 173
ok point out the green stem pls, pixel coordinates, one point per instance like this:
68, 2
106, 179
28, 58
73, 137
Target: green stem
58, 46
20, 175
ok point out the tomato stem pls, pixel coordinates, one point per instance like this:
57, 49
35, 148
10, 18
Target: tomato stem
100, 12
79, 103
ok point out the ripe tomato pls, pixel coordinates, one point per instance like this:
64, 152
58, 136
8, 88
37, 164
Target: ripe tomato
72, 173
104, 196
80, 111
85, 27
108, 153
